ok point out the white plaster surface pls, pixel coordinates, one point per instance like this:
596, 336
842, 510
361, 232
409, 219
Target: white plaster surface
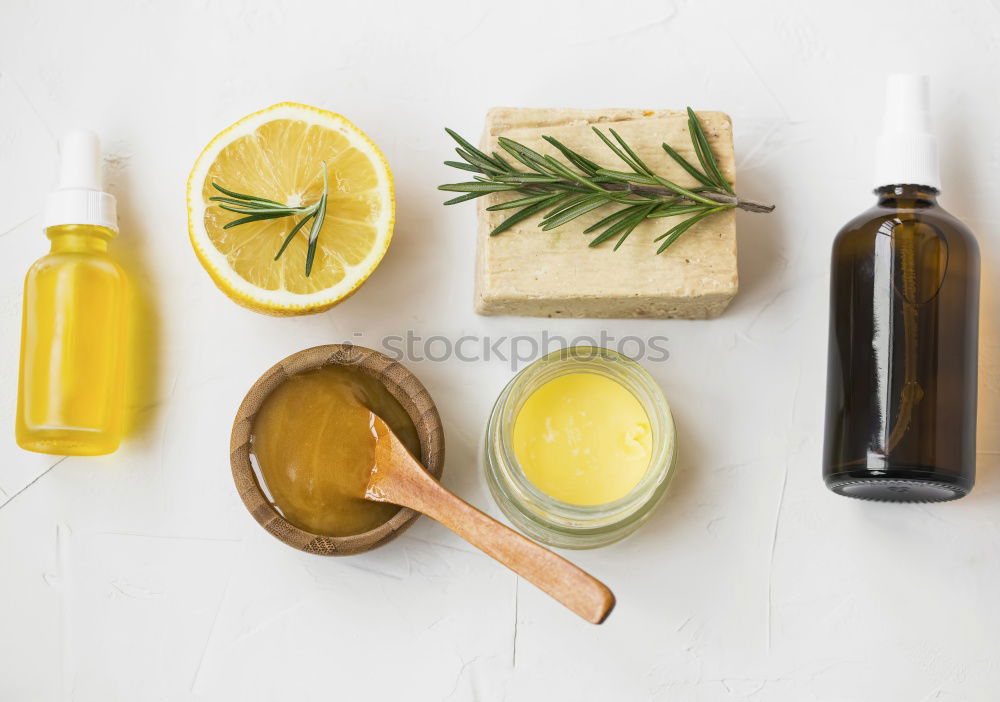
140, 576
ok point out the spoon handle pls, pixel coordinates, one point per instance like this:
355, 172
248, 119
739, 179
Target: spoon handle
570, 585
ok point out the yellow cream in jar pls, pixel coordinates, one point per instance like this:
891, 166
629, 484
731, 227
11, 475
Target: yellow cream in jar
583, 438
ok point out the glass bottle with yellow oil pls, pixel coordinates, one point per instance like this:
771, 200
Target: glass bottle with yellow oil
71, 383
904, 323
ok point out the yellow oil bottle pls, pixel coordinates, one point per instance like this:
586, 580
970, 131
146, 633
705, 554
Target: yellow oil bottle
73, 326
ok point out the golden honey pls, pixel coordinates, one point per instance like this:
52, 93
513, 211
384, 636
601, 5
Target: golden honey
313, 447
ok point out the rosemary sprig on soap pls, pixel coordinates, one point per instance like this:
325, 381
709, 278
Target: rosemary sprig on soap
563, 191
260, 208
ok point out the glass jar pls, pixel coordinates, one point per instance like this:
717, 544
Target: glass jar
552, 521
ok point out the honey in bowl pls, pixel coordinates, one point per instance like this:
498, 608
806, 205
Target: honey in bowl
313, 448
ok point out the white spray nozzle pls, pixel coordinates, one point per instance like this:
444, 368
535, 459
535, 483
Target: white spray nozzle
907, 150
79, 198
79, 160
907, 104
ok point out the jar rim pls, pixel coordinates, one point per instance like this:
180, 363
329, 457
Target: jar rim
620, 368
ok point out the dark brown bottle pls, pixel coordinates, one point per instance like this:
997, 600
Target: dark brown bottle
904, 312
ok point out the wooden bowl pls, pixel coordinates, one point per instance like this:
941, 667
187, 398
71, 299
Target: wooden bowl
399, 381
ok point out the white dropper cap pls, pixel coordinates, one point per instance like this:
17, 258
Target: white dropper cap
906, 151
78, 198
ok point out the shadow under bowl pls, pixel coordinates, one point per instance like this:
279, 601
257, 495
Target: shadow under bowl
401, 384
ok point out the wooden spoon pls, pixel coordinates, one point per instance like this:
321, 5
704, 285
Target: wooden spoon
398, 478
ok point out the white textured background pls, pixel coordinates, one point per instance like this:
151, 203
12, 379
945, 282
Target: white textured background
140, 576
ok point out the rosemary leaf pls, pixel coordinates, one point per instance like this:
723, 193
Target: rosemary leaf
520, 202
675, 211
639, 217
252, 218
640, 178
699, 152
531, 159
581, 162
482, 165
671, 235
571, 213
526, 178
632, 154
240, 196
291, 234
580, 180
566, 204
477, 187
463, 166
609, 232
314, 233
280, 211
473, 150
618, 152
623, 226
628, 223
463, 198
522, 215
686, 165
241, 203
709, 163
611, 218
502, 161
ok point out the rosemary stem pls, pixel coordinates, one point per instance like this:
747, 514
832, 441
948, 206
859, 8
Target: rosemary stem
725, 199
654, 191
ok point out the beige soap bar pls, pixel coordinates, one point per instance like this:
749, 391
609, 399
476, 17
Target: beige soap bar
525, 271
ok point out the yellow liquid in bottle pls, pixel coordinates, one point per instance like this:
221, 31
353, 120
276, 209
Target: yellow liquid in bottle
583, 438
73, 337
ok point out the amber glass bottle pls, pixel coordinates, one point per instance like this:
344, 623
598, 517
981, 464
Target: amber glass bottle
904, 311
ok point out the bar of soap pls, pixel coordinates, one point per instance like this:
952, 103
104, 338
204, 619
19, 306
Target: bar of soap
525, 271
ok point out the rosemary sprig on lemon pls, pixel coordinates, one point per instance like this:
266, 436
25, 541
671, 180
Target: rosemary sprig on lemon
260, 208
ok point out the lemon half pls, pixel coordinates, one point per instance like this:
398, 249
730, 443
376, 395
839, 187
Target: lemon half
277, 154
